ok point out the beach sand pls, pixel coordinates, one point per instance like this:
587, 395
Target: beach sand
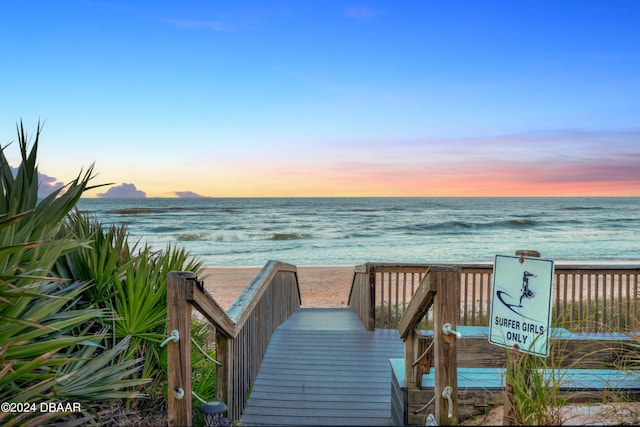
320, 286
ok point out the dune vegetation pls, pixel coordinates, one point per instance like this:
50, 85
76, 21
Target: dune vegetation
82, 309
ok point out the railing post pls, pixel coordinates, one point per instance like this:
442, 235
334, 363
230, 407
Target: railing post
446, 308
371, 321
179, 352
224, 374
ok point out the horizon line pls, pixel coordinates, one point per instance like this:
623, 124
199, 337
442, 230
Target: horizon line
372, 197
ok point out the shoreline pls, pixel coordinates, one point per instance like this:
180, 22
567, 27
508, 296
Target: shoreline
581, 261
320, 286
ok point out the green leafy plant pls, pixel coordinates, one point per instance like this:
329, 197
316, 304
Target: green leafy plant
131, 285
82, 311
41, 351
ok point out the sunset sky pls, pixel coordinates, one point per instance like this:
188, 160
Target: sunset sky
327, 98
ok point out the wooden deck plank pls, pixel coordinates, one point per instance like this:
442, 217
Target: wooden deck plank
340, 357
284, 369
346, 353
298, 420
285, 398
323, 367
316, 391
337, 408
322, 376
337, 381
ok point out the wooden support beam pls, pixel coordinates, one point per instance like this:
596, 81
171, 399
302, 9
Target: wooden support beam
425, 346
410, 350
446, 310
224, 372
179, 352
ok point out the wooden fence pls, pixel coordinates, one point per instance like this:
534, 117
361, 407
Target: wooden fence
586, 298
243, 334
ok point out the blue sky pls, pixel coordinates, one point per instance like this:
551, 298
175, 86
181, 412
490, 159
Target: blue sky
312, 98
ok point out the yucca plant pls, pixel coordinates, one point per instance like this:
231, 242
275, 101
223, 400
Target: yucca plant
43, 352
65, 278
20, 193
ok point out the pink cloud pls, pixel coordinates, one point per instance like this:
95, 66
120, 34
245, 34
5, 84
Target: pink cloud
561, 163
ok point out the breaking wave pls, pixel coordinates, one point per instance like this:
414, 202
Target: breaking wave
290, 236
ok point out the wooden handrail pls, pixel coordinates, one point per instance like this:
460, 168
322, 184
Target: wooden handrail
587, 297
241, 308
209, 307
242, 334
420, 303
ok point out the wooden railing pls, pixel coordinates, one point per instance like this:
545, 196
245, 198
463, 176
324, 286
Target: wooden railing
597, 298
242, 334
439, 289
362, 295
380, 292
587, 298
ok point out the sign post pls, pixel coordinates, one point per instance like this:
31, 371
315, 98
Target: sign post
520, 312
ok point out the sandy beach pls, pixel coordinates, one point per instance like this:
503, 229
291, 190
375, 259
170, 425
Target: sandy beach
320, 286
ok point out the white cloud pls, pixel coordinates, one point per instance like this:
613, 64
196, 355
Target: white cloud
124, 190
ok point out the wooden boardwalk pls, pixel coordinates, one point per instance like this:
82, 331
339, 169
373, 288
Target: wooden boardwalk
323, 368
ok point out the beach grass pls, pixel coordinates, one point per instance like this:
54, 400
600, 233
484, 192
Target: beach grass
595, 316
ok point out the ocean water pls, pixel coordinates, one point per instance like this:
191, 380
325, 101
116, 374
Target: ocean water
351, 231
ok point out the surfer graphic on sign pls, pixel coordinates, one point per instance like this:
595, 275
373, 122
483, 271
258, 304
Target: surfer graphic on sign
526, 292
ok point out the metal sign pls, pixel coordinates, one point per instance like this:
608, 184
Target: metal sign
521, 303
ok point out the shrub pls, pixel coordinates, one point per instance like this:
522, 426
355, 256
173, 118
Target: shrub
44, 354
